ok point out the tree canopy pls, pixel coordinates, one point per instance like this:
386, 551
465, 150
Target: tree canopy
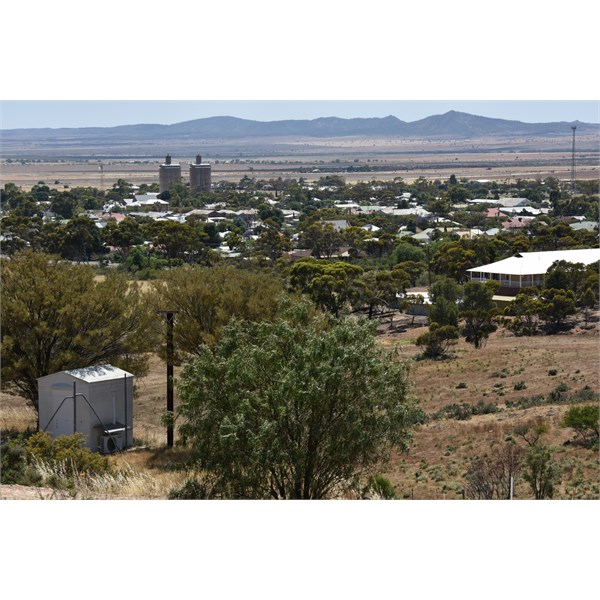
331, 285
206, 298
295, 408
55, 316
478, 312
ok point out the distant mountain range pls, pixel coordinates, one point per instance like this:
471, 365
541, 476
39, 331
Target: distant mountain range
452, 124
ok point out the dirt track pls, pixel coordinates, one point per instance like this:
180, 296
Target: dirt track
23, 492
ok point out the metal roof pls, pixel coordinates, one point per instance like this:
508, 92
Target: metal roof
98, 373
537, 263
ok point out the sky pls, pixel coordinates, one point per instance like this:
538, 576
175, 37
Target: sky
16, 114
254, 61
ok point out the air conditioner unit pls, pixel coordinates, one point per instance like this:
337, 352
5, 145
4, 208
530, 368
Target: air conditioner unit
112, 442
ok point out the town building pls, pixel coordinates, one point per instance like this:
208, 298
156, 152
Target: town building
529, 268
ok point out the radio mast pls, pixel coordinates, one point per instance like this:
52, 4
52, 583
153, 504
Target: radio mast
573, 127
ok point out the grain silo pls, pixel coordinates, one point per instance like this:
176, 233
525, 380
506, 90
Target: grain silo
168, 175
199, 176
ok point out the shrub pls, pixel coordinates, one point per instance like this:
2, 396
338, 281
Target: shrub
438, 340
552, 372
380, 487
461, 386
559, 394
67, 451
192, 489
464, 411
520, 385
15, 469
586, 394
542, 472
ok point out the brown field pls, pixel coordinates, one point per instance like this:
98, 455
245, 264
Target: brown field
441, 449
494, 159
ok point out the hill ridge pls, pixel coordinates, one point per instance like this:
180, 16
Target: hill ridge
452, 123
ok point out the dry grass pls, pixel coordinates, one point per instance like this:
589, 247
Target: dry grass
441, 449
492, 372
125, 483
441, 452
16, 414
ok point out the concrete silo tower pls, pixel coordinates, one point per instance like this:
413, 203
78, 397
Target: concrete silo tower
168, 175
199, 176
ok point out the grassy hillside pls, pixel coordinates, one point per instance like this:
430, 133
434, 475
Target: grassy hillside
520, 378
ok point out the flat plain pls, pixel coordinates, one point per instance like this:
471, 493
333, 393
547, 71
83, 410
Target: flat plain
356, 159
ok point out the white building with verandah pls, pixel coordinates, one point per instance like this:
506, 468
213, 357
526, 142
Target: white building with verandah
529, 268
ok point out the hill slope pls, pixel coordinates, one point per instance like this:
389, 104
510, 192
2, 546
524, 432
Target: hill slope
451, 124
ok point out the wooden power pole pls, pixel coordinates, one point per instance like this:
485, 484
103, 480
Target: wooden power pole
170, 315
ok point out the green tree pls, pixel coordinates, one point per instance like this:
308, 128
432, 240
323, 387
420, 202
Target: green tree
584, 420
438, 340
331, 286
444, 295
120, 190
21, 232
457, 193
55, 316
294, 409
123, 235
524, 310
587, 301
555, 307
11, 195
563, 275
266, 212
177, 240
531, 431
40, 192
542, 472
271, 243
381, 289
478, 311
408, 250
29, 208
80, 239
64, 205
322, 239
412, 268
453, 259
206, 298
354, 236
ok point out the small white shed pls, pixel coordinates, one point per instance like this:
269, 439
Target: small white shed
96, 401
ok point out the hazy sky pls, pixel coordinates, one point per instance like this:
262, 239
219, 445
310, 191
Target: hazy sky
90, 113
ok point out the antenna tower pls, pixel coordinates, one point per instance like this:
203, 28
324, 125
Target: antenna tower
101, 167
573, 162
